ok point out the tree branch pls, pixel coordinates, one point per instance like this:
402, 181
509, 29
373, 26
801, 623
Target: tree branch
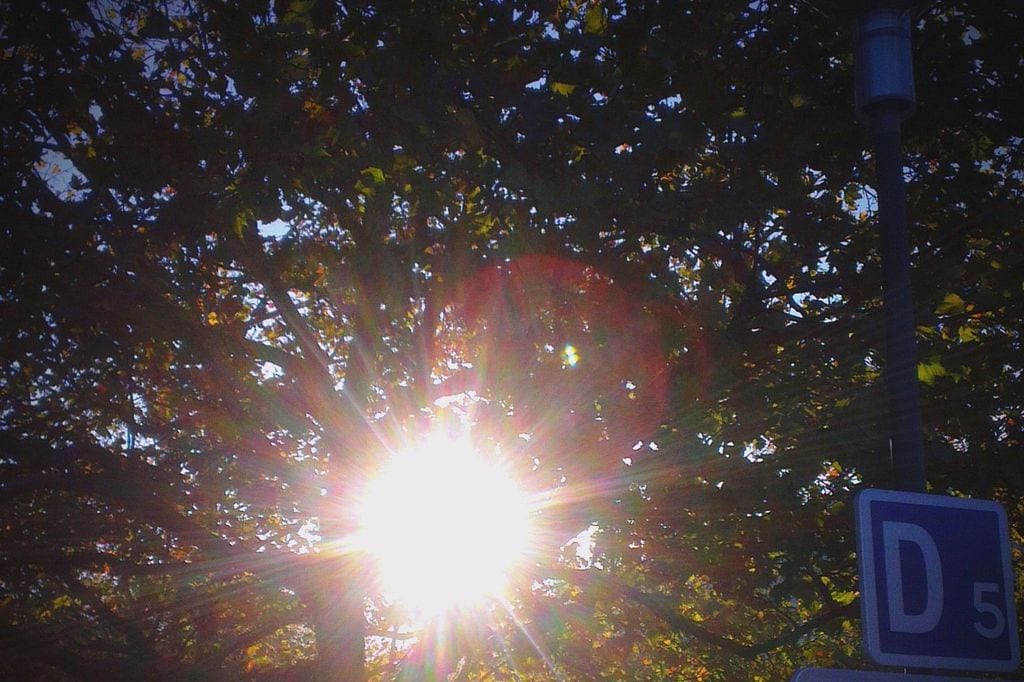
213, 661
665, 609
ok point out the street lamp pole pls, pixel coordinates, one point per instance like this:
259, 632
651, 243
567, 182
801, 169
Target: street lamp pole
885, 96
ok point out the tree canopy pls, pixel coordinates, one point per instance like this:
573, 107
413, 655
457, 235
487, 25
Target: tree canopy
250, 248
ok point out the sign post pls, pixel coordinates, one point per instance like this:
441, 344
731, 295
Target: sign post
937, 588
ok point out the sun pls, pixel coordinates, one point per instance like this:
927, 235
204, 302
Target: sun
444, 526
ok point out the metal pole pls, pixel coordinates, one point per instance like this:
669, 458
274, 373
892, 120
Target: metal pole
885, 95
901, 347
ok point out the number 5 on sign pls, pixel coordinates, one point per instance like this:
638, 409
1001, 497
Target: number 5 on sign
998, 626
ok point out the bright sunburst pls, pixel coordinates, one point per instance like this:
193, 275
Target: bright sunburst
444, 526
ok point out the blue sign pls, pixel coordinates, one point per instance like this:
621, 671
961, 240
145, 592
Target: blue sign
936, 582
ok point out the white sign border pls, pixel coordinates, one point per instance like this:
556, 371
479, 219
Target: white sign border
868, 594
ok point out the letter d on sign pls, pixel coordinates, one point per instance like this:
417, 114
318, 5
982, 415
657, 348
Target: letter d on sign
893, 534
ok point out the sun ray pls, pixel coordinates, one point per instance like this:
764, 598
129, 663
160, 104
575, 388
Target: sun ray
541, 651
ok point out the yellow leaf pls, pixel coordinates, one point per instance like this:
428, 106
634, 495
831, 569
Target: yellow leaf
375, 173
951, 304
211, 319
313, 109
929, 371
797, 101
241, 220
967, 334
563, 89
595, 20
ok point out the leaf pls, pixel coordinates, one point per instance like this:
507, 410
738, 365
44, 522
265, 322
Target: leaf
595, 22
564, 89
951, 304
312, 108
298, 12
375, 173
242, 219
967, 334
844, 597
364, 189
928, 372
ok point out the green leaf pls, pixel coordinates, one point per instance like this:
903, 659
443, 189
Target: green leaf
844, 597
